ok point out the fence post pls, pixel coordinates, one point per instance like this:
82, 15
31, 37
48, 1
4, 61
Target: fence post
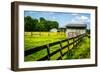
73, 41
77, 38
60, 50
68, 47
80, 38
48, 51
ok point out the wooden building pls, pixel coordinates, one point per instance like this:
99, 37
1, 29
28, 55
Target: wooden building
75, 29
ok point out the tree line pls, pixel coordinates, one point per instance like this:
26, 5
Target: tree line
41, 24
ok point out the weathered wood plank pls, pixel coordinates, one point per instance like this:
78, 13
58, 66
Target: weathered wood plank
48, 51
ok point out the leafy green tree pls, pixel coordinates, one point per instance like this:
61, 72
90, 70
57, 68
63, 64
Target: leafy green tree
28, 23
42, 24
51, 24
35, 23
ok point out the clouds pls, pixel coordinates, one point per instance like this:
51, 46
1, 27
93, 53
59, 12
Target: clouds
81, 19
63, 18
74, 14
77, 18
84, 17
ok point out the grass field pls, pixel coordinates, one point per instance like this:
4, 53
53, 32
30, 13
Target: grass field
41, 38
80, 52
35, 39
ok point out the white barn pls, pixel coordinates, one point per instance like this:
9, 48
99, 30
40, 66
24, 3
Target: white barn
53, 30
75, 29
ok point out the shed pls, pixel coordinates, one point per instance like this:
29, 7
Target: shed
75, 29
53, 30
62, 29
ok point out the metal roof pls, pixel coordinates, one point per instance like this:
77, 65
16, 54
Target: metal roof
76, 25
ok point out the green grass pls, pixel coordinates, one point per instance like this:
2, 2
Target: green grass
82, 51
34, 40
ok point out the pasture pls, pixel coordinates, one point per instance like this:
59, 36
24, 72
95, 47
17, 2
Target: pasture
34, 39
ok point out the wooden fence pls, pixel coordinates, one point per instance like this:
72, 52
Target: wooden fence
44, 33
75, 42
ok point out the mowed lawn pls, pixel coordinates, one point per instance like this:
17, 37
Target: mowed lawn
38, 39
41, 38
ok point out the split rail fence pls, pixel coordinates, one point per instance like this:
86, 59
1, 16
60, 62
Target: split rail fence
75, 42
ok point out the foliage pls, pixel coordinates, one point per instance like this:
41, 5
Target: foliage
32, 24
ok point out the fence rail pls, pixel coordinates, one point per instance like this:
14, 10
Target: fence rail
44, 34
75, 42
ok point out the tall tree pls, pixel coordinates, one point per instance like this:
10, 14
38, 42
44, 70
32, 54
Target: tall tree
42, 24
51, 24
28, 23
35, 23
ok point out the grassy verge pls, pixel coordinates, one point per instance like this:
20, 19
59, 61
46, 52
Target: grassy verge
80, 52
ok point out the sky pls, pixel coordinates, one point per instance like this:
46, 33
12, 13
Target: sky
63, 18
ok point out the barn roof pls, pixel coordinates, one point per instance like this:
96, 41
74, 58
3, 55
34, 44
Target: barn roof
76, 25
